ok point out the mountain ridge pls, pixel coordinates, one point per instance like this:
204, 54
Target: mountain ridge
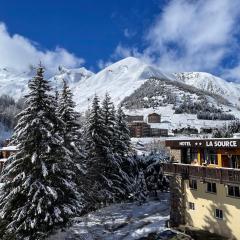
120, 79
188, 99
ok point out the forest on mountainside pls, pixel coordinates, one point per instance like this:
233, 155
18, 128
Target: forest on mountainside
9, 108
183, 98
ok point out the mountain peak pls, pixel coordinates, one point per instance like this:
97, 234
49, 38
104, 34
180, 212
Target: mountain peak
119, 79
126, 62
210, 83
129, 60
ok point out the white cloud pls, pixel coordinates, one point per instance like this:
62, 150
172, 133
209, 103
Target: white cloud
102, 64
232, 74
123, 52
191, 36
119, 52
19, 53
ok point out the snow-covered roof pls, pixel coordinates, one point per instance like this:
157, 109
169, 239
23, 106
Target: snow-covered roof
160, 125
3, 159
9, 148
156, 114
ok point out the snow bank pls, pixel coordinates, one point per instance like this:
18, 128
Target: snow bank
126, 221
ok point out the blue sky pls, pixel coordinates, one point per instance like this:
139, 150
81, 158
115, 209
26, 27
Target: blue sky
175, 35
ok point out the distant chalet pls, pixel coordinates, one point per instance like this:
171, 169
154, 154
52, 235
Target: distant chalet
154, 118
140, 128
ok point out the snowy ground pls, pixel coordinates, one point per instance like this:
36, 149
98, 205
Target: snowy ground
127, 221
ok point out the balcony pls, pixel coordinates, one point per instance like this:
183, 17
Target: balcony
186, 171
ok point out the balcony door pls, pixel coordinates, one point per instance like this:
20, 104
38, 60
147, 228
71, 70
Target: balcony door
235, 161
189, 155
186, 155
210, 156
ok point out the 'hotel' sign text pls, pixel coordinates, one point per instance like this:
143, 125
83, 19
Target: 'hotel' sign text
231, 143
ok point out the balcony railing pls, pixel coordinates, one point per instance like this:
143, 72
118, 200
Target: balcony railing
222, 175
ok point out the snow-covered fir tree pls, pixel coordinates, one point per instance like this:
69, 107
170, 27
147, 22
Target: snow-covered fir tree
96, 150
153, 172
123, 142
122, 181
151, 166
141, 191
39, 193
123, 151
71, 128
105, 177
109, 118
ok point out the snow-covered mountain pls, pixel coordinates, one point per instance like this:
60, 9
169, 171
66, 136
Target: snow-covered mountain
119, 79
211, 83
14, 84
72, 76
127, 77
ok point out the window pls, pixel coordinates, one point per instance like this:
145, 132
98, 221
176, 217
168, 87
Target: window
188, 153
235, 161
210, 156
233, 191
211, 187
191, 206
194, 154
219, 214
193, 184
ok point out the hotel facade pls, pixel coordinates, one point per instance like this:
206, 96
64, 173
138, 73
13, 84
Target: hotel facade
205, 184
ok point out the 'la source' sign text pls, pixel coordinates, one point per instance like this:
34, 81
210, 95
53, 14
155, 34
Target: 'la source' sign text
221, 143
209, 143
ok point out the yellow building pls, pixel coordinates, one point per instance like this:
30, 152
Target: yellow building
205, 184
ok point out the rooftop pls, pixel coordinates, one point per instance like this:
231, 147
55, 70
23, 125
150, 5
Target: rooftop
8, 148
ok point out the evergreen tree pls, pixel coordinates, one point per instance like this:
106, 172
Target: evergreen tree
96, 152
109, 119
141, 190
102, 166
38, 195
71, 128
123, 151
123, 142
117, 131
153, 172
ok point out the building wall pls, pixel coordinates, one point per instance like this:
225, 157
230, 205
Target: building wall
177, 201
157, 132
6, 154
204, 214
1, 166
139, 129
175, 155
154, 118
222, 156
134, 118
